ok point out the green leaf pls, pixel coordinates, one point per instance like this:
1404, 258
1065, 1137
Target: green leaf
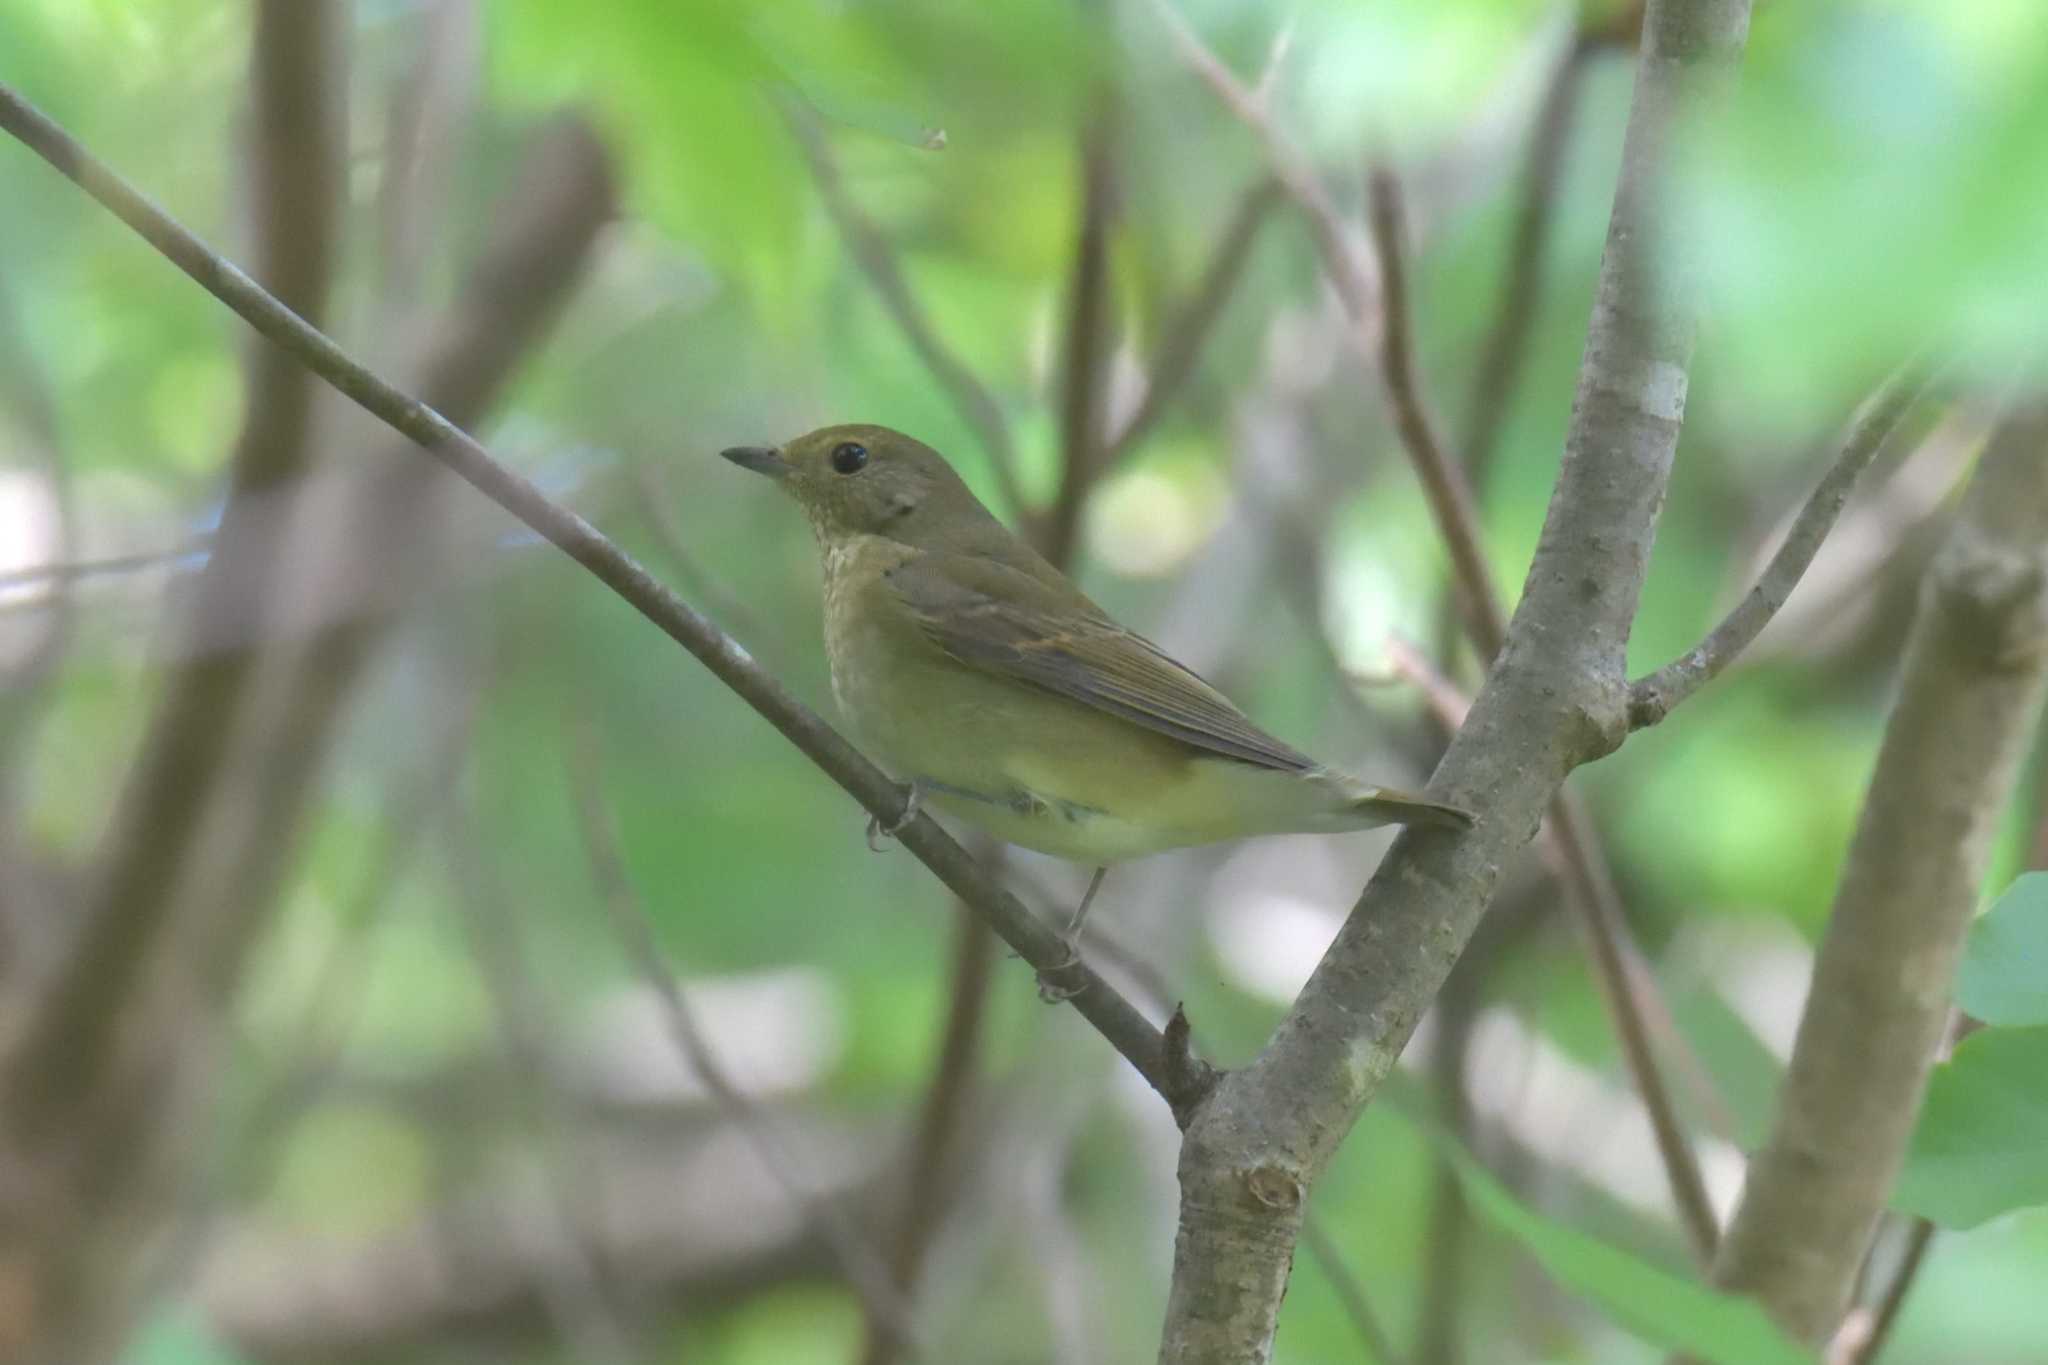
1660, 1307
2004, 976
1981, 1148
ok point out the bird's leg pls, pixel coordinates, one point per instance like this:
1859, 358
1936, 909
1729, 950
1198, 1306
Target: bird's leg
1048, 990
1073, 935
913, 800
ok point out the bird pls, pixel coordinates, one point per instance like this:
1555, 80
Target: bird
979, 675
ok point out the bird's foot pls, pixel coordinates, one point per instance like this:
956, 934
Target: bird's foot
913, 801
1059, 983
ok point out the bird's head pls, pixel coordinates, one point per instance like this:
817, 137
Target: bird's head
868, 480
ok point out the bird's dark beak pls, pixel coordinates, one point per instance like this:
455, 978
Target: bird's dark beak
761, 459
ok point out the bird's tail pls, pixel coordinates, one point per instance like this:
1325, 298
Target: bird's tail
1387, 806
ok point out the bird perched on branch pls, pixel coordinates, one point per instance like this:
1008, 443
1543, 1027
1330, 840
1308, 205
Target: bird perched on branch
980, 675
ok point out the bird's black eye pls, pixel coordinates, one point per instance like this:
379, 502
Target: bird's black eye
849, 457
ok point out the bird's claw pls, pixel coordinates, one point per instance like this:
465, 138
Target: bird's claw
1050, 989
913, 798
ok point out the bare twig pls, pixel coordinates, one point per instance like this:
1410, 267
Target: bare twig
1038, 944
1084, 381
1863, 1333
1625, 983
1182, 339
1443, 481
428, 104
1444, 696
877, 259
312, 1058
1654, 697
1507, 341
928, 1156
861, 1264
65, 572
1288, 165
574, 1281
655, 500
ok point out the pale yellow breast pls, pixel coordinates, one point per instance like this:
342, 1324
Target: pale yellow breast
864, 642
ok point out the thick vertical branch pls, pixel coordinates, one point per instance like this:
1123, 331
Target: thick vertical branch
1626, 987
1084, 380
1555, 699
1971, 692
297, 159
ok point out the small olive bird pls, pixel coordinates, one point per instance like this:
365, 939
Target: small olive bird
979, 674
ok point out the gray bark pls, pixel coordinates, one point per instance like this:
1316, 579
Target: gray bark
1971, 691
1555, 698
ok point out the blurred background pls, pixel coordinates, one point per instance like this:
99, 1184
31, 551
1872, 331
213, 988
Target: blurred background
396, 790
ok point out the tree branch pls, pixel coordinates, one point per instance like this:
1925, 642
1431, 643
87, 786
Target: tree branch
863, 1269
1864, 1332
1443, 480
1617, 962
577, 1287
1182, 339
298, 157
1084, 379
1970, 692
1507, 341
1554, 699
1113, 1016
1653, 698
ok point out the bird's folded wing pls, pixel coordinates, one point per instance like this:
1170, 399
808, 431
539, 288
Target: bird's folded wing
1005, 621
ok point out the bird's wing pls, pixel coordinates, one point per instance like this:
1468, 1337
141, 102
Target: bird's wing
1008, 622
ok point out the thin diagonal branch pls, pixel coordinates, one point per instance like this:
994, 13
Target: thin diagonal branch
1864, 1333
1507, 341
1182, 339
871, 250
655, 500
1443, 480
1626, 985
1084, 379
1114, 1017
861, 1264
928, 1156
1653, 698
1286, 162
575, 1282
